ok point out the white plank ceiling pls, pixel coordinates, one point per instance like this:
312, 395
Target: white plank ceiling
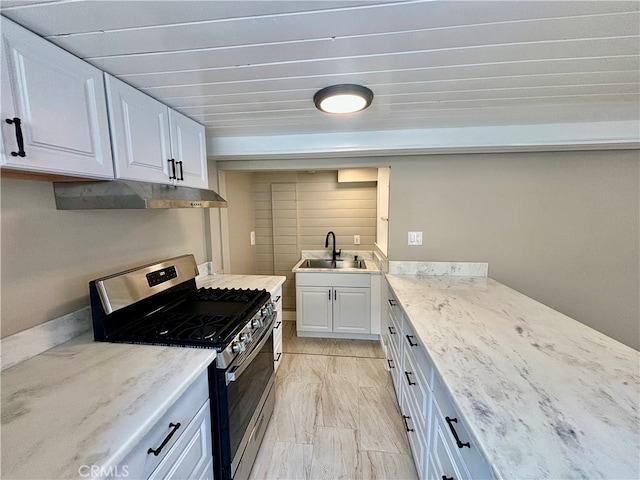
246, 68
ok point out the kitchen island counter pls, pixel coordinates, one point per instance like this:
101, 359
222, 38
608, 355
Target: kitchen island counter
543, 395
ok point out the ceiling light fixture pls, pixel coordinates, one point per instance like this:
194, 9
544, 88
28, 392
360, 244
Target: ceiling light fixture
345, 98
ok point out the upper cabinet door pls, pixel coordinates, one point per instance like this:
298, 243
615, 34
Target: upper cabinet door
59, 101
189, 146
139, 134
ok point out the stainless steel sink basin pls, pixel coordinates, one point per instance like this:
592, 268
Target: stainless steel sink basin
321, 263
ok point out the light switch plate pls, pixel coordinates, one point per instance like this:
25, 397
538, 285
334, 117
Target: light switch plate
414, 238
253, 238
356, 239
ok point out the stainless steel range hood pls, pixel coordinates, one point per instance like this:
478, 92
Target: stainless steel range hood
127, 194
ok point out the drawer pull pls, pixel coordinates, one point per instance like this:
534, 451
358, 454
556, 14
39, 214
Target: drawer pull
174, 427
409, 337
444, 477
19, 138
406, 374
390, 363
392, 302
406, 424
392, 330
450, 422
278, 357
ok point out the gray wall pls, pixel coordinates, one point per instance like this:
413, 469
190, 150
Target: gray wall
241, 218
562, 228
49, 256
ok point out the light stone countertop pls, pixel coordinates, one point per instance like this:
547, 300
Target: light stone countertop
543, 395
89, 403
260, 282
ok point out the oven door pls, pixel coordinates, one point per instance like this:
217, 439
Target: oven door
242, 390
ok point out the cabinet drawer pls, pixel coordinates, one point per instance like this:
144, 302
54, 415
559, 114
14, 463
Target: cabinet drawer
191, 455
470, 458
442, 463
414, 426
394, 327
415, 383
417, 352
395, 368
140, 463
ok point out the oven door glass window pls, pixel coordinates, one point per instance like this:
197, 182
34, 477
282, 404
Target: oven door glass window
245, 392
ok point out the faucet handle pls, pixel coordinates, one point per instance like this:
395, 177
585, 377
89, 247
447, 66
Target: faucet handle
338, 253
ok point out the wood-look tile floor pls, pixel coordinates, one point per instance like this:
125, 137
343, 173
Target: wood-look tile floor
336, 415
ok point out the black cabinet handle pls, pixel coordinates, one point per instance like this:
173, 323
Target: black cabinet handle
389, 362
450, 422
181, 171
392, 302
19, 138
174, 427
278, 357
277, 299
406, 425
275, 327
392, 331
444, 477
173, 168
409, 337
406, 374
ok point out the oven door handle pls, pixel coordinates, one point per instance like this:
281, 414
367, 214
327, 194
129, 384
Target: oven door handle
234, 372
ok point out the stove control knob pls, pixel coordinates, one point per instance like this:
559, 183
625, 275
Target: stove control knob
256, 323
236, 347
245, 337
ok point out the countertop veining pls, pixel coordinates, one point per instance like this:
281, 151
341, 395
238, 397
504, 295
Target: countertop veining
544, 395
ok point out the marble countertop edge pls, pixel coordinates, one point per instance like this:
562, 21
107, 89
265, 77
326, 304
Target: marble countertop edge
465, 316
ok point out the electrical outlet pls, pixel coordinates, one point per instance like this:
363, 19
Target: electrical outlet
356, 239
253, 238
414, 238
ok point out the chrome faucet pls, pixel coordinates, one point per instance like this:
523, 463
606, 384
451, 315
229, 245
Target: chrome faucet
334, 254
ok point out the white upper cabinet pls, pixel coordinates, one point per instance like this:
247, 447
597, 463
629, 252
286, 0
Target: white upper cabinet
59, 102
139, 133
152, 142
189, 147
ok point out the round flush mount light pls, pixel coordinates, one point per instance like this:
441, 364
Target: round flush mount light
345, 98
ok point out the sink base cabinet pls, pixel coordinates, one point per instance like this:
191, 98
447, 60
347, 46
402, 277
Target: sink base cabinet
333, 306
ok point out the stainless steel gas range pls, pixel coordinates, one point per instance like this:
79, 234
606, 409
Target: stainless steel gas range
160, 304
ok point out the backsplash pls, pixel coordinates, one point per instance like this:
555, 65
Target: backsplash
460, 269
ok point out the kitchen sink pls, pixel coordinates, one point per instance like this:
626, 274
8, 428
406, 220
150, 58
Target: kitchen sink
338, 264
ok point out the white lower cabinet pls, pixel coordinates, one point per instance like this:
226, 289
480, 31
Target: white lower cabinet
276, 298
439, 440
333, 305
179, 445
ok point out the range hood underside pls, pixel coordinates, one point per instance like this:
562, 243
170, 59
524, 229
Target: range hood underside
126, 194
